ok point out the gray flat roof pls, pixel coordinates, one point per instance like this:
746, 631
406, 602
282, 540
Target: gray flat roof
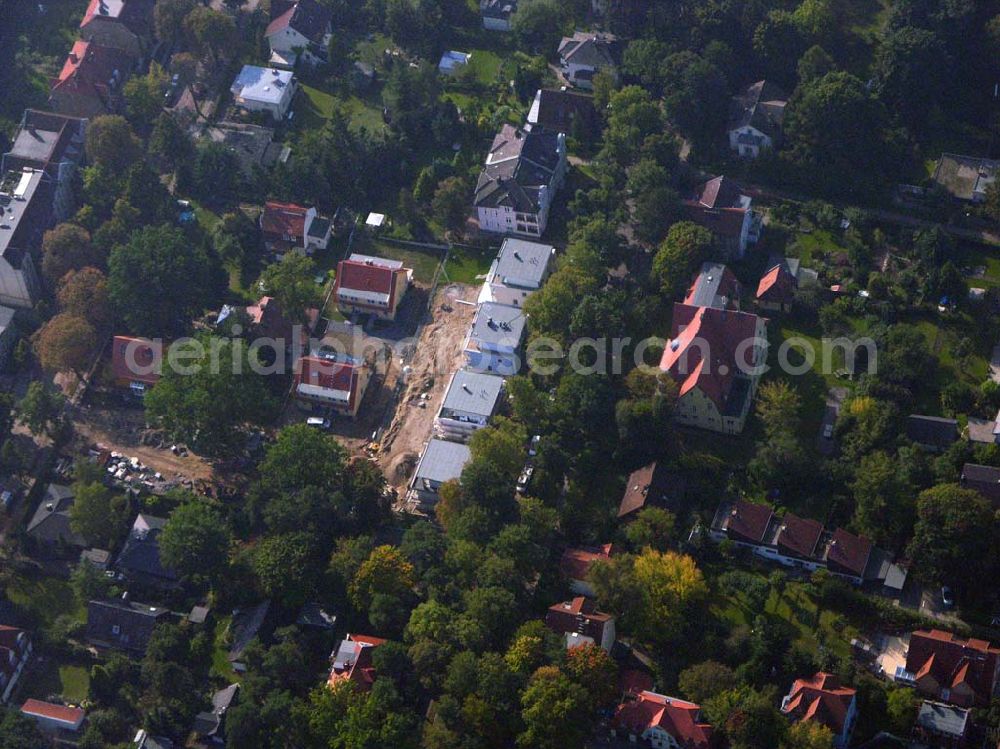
35, 144
442, 461
16, 192
262, 84
945, 719
522, 263
498, 324
472, 392
706, 293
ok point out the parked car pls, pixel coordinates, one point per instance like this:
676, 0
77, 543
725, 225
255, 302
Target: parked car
828, 431
319, 422
525, 478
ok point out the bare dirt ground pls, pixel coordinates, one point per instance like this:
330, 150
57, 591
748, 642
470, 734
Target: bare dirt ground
120, 430
437, 355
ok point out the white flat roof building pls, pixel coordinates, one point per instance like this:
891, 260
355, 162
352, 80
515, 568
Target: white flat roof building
264, 90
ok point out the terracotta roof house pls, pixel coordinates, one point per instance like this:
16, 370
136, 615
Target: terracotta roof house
581, 623
574, 565
287, 226
371, 286
662, 722
121, 24
299, 30
121, 624
15, 652
714, 286
136, 363
25, 214
776, 290
651, 486
721, 207
139, 559
336, 387
933, 433
517, 185
984, 479
352, 661
91, 80
563, 111
49, 526
951, 669
847, 554
715, 356
798, 537
742, 521
54, 720
822, 698
757, 115
585, 54
53, 144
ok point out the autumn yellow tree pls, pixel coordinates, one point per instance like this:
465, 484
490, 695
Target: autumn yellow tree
808, 734
385, 572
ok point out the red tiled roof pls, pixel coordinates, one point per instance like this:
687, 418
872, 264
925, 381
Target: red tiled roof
136, 15
361, 276
634, 680
360, 670
579, 615
951, 661
52, 711
284, 219
849, 552
650, 484
799, 535
280, 21
749, 520
821, 698
717, 333
330, 375
143, 353
776, 285
90, 67
575, 563
715, 205
679, 718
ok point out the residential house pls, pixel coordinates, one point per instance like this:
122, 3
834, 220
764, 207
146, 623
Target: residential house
574, 566
776, 290
145, 740
756, 119
299, 30
91, 80
97, 558
369, 285
452, 61
497, 14
441, 461
209, 727
714, 286
942, 726
803, 543
267, 90
469, 403
945, 667
352, 661
663, 722
245, 625
122, 624
519, 270
984, 431
984, 479
561, 111
651, 486
252, 145
120, 24
8, 336
25, 214
15, 652
50, 527
965, 178
932, 433
136, 363
522, 173
494, 340
585, 54
139, 560
287, 227
715, 356
721, 207
53, 144
336, 387
57, 722
822, 698
579, 621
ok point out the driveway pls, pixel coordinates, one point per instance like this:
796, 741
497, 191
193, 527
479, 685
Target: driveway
834, 398
893, 653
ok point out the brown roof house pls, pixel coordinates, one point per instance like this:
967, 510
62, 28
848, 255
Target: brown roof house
756, 119
574, 565
952, 669
662, 722
581, 623
651, 486
299, 30
822, 698
983, 479
352, 661
287, 226
776, 290
371, 286
91, 80
136, 363
721, 207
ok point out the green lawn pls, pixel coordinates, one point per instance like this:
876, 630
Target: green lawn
423, 262
48, 678
44, 598
466, 265
485, 64
313, 107
221, 667
807, 246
